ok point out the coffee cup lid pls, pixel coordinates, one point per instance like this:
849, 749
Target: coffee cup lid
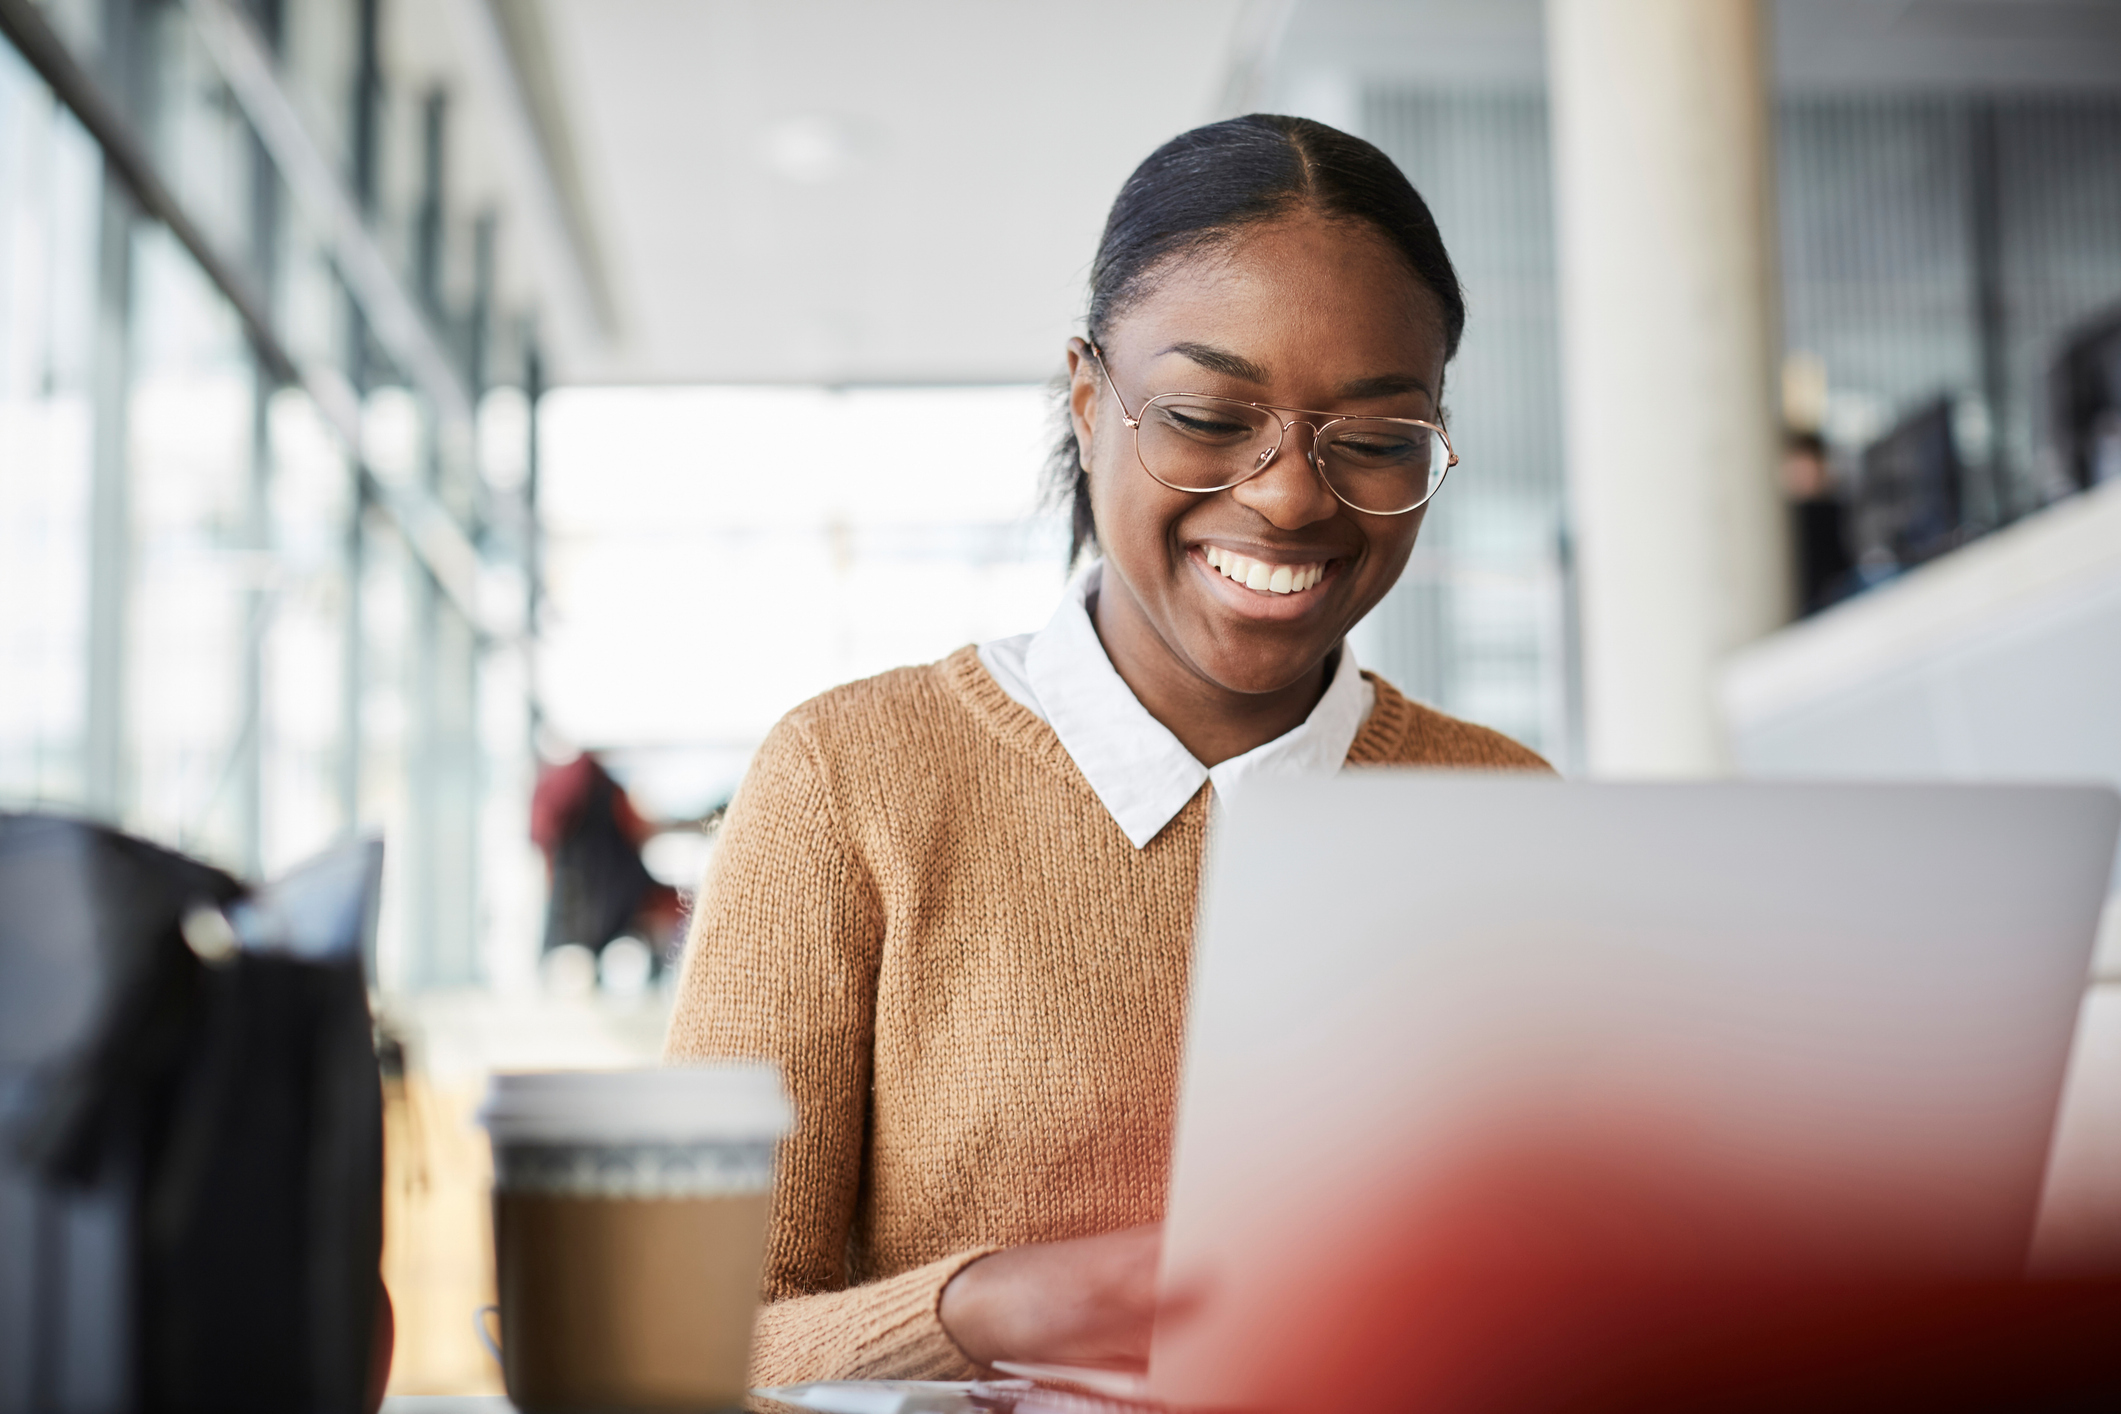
736, 1100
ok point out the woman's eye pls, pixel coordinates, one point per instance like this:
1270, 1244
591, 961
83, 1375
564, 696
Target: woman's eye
1202, 424
1375, 449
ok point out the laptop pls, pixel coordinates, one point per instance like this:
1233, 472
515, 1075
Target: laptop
1491, 1077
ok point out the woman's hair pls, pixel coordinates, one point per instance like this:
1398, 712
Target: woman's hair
1202, 188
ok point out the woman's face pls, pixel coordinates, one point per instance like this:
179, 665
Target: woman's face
1300, 312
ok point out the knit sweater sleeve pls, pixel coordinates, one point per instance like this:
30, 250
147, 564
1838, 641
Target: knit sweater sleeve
781, 965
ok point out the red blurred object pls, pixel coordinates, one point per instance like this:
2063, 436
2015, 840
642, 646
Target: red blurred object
1554, 1283
1566, 1097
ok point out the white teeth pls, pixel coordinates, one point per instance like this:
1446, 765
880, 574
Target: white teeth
1266, 578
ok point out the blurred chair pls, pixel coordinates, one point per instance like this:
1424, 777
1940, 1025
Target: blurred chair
191, 1192
1907, 500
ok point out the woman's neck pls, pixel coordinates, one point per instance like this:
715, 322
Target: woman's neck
1211, 721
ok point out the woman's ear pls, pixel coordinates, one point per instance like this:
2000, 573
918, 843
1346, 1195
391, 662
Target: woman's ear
1083, 382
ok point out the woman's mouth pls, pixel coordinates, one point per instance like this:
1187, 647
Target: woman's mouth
1260, 575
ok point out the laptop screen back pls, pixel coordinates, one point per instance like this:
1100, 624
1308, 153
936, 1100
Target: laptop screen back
1466, 1052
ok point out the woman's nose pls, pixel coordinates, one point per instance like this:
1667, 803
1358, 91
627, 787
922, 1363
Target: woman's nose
1291, 492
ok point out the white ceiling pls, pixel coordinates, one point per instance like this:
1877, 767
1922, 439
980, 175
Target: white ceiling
910, 191
844, 191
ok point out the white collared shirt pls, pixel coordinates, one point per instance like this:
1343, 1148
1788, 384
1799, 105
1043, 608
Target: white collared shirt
1138, 768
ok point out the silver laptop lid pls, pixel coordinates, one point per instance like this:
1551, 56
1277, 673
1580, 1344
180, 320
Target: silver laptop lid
1455, 1036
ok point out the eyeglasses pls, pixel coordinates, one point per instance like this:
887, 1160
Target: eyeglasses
1197, 442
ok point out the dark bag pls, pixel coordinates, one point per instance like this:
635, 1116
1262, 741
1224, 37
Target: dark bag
191, 1145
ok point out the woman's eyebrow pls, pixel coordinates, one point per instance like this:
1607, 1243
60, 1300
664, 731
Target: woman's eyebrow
1217, 360
1235, 365
1384, 385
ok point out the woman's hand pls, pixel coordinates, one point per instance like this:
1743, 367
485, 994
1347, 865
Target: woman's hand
1086, 1301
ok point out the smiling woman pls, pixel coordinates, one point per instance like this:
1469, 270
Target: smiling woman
955, 902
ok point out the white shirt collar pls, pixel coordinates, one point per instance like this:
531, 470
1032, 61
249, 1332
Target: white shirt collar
1140, 771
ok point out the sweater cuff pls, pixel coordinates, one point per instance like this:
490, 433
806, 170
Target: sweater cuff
886, 1330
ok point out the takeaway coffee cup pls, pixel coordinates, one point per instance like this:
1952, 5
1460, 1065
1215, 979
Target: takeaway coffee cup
629, 1216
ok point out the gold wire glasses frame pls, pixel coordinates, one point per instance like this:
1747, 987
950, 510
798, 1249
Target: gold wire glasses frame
1380, 465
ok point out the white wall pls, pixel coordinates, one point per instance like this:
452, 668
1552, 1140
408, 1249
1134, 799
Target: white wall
2000, 661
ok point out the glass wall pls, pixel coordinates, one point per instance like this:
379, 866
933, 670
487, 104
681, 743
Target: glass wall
1943, 249
50, 205
709, 572
1479, 625
1939, 254
255, 592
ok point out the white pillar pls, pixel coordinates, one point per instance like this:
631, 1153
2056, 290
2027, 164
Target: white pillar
1660, 116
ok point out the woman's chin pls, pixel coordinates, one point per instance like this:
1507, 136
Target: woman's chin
1258, 669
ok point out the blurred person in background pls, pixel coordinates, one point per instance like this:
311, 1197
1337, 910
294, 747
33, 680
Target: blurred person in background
591, 836
1818, 522
955, 902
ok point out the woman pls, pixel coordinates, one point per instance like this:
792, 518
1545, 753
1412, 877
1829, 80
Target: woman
955, 902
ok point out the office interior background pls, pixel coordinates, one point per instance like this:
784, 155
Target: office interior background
400, 397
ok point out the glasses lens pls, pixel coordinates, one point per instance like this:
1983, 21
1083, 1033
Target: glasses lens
1385, 466
1192, 443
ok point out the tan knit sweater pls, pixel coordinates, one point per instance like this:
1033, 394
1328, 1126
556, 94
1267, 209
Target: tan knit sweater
975, 986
